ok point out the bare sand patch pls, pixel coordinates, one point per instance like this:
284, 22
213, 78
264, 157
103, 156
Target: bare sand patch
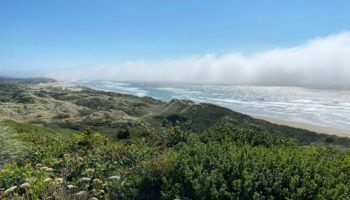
310, 127
64, 85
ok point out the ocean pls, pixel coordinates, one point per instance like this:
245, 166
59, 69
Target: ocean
319, 106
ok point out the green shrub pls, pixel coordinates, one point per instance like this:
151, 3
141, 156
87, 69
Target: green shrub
223, 162
123, 133
235, 163
62, 116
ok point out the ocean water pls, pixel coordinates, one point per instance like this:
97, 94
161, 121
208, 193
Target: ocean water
320, 106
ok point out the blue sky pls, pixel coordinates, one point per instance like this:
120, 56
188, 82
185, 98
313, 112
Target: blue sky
81, 34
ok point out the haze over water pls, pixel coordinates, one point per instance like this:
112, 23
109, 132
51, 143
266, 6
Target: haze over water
320, 106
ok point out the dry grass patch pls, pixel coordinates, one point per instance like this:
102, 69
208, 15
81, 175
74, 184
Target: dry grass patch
11, 149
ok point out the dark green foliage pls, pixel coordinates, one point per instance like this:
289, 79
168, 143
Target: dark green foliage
17, 93
66, 124
123, 133
174, 135
41, 94
25, 98
176, 118
9, 91
330, 139
61, 116
85, 112
58, 95
225, 171
205, 115
223, 162
175, 106
236, 163
94, 103
242, 136
9, 87
26, 80
151, 100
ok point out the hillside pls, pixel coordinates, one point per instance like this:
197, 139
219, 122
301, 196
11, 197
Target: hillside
62, 141
223, 162
55, 104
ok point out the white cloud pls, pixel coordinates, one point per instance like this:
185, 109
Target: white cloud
322, 61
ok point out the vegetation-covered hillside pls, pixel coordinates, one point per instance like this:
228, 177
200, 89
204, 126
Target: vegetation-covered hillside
72, 142
53, 104
223, 162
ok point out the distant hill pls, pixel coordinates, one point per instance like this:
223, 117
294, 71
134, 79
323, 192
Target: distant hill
26, 80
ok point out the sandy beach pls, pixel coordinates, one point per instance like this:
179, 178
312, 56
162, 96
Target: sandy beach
310, 127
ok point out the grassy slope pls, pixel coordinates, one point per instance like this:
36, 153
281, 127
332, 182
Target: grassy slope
224, 162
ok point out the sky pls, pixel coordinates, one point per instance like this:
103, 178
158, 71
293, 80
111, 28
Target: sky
239, 42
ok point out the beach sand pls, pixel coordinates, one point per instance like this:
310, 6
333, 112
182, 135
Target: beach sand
310, 127
65, 85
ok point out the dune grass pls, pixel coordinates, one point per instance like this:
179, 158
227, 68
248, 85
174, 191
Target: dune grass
11, 148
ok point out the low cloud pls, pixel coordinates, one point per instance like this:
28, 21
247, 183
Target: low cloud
322, 61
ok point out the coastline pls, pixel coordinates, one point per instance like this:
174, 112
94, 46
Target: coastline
310, 127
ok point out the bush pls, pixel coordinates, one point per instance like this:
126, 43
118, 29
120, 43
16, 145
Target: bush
224, 162
123, 133
227, 162
174, 118
62, 116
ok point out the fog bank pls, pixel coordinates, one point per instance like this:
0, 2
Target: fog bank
321, 61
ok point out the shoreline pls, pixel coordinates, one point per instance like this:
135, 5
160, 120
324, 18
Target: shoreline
310, 127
